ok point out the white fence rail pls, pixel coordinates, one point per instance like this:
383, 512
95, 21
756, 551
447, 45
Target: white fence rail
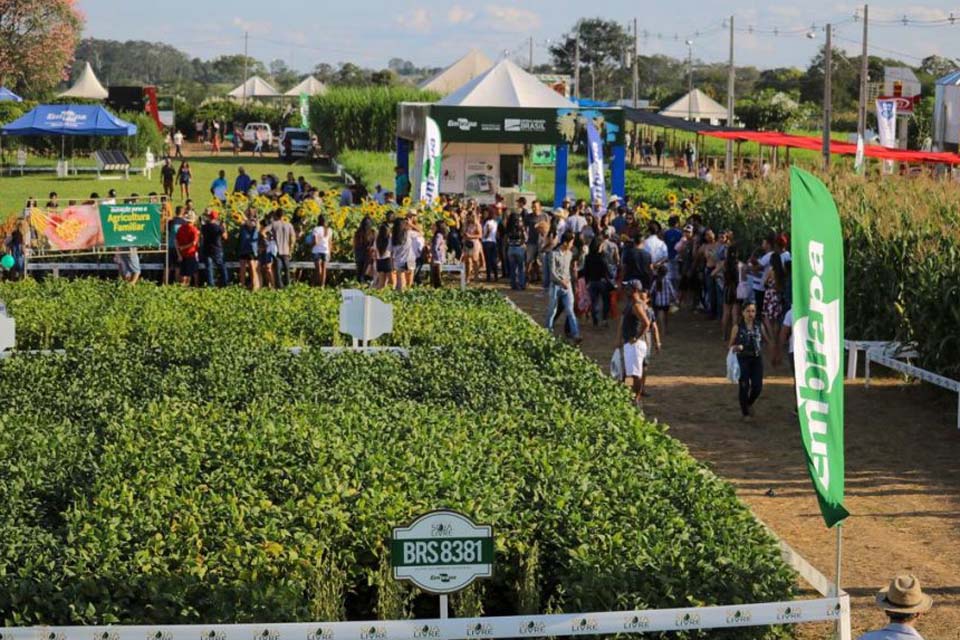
566, 624
56, 268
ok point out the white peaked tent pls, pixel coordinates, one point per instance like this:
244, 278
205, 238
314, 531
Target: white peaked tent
459, 73
310, 86
86, 86
256, 87
506, 85
698, 106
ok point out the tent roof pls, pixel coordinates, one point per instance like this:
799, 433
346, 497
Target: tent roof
310, 86
698, 105
775, 138
651, 119
950, 79
506, 85
459, 73
86, 86
69, 120
6, 94
256, 87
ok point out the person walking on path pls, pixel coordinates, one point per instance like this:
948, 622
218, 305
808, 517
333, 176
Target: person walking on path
178, 144
517, 252
746, 341
904, 602
561, 290
188, 243
167, 173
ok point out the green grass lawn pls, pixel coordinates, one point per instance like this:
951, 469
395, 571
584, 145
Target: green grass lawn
14, 190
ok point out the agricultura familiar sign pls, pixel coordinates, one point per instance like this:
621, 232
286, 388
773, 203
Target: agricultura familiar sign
442, 552
130, 225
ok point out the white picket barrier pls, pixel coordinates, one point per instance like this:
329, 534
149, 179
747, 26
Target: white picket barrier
554, 625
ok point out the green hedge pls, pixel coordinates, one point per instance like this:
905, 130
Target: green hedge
179, 466
362, 118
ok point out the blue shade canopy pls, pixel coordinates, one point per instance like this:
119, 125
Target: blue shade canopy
6, 94
69, 120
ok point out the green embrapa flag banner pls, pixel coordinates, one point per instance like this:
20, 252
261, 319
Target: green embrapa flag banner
130, 225
817, 260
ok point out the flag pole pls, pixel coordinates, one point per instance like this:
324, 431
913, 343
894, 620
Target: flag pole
839, 625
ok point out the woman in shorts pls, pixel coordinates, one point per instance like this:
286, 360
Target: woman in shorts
472, 248
249, 248
385, 275
322, 248
401, 251
634, 324
267, 253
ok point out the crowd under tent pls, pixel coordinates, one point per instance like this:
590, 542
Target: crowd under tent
310, 86
473, 64
255, 87
697, 106
486, 125
86, 86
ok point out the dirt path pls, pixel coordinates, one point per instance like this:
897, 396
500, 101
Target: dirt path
902, 456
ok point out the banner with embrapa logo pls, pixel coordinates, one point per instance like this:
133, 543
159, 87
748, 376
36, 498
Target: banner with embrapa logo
817, 260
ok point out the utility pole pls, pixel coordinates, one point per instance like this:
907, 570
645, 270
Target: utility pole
246, 58
593, 81
731, 82
689, 80
636, 63
576, 65
827, 96
530, 67
862, 111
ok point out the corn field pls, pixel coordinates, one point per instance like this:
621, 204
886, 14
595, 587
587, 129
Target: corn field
902, 245
361, 118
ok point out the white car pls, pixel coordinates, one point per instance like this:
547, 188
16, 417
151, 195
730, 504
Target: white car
299, 143
250, 135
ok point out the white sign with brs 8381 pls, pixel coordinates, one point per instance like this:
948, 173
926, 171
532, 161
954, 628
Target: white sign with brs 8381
442, 552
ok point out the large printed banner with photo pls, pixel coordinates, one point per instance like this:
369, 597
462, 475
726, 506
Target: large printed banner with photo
107, 226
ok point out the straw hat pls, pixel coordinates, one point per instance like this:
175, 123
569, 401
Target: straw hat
190, 216
903, 595
560, 213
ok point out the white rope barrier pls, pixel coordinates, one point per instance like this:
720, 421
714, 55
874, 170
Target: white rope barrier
564, 624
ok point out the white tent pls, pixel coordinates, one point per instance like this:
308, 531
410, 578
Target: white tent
310, 86
86, 86
256, 87
697, 106
946, 112
459, 73
506, 85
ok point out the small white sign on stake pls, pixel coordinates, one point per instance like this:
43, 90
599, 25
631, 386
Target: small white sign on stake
364, 317
8, 329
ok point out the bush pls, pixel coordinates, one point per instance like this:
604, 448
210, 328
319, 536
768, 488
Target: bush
178, 466
902, 247
362, 118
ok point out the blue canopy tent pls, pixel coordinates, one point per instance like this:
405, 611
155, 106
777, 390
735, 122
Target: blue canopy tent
7, 95
68, 120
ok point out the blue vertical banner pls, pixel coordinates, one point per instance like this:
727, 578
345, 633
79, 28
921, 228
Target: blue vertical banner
595, 165
560, 176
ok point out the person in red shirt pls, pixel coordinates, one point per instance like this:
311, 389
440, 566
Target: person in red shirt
188, 242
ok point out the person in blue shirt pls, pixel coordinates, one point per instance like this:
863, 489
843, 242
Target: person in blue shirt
242, 183
401, 184
219, 187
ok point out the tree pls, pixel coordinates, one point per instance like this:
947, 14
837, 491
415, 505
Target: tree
283, 76
784, 79
401, 67
230, 69
351, 75
37, 42
603, 44
384, 77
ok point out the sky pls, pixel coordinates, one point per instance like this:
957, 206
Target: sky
437, 32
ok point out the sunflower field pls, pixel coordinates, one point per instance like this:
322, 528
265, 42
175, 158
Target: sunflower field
902, 246
177, 464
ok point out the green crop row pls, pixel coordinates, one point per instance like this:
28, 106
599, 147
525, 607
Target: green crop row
902, 248
363, 118
179, 465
